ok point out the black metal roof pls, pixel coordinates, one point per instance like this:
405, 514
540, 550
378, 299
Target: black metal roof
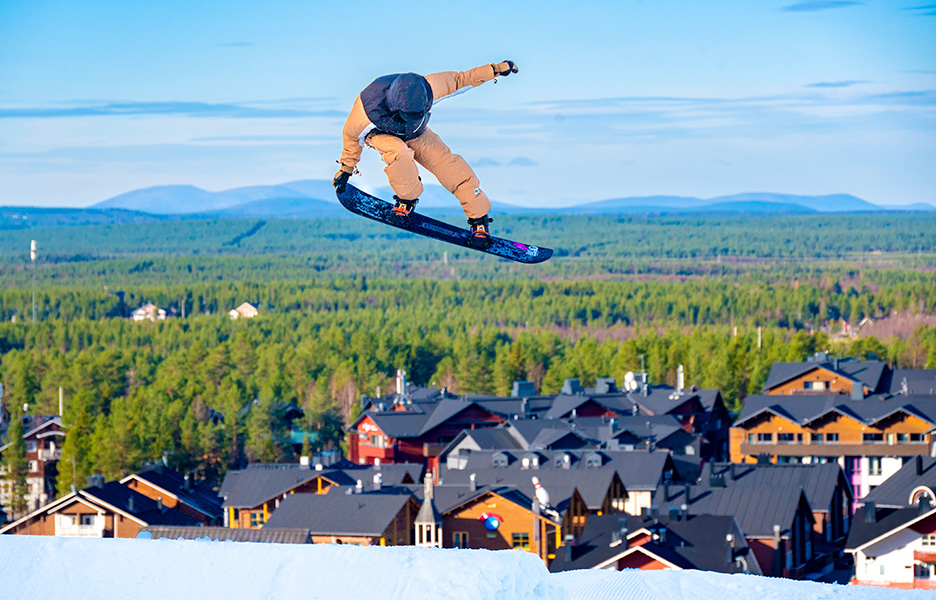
802, 409
818, 481
260, 483
699, 542
339, 512
918, 471
197, 496
144, 508
756, 509
885, 521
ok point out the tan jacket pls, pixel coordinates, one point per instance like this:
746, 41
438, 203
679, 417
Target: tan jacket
443, 84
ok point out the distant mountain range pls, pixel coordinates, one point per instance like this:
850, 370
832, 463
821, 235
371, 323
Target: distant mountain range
315, 199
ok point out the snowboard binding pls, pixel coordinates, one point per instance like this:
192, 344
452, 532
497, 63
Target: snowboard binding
404, 207
480, 234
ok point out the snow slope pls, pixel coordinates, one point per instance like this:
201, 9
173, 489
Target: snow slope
112, 569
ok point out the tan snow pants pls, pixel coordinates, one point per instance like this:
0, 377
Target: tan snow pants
428, 150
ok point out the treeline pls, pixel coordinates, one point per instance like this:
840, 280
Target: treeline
590, 303
210, 394
584, 237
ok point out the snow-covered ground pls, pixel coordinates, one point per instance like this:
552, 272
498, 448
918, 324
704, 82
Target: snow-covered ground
112, 569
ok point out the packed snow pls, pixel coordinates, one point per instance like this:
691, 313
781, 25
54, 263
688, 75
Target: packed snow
112, 569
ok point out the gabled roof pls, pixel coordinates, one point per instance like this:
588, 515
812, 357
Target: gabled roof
757, 510
818, 481
700, 542
260, 483
269, 535
868, 373
172, 482
887, 521
32, 426
805, 409
118, 497
895, 491
339, 513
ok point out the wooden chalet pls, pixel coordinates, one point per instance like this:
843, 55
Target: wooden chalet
101, 510
43, 437
252, 495
177, 491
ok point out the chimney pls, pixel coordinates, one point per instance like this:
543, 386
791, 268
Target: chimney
778, 558
473, 482
857, 391
319, 467
673, 513
401, 382
304, 462
359, 487
680, 379
159, 504
568, 548
919, 465
96, 481
522, 389
688, 493
187, 486
731, 469
729, 546
378, 482
684, 512
870, 512
377, 464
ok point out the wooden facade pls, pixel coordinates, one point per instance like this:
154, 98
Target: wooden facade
833, 434
520, 529
816, 381
77, 515
254, 517
398, 533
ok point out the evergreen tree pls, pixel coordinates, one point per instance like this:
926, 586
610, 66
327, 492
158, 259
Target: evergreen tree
16, 467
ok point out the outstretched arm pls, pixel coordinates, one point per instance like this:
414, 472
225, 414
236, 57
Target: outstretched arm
350, 136
447, 83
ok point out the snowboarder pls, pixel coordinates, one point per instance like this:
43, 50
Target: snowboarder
391, 114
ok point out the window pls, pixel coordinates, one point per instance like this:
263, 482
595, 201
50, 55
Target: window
816, 385
831, 438
786, 438
256, 519
87, 520
30, 446
817, 438
764, 438
34, 466
751, 438
873, 438
903, 438
520, 541
460, 539
929, 540
874, 465
917, 437
378, 441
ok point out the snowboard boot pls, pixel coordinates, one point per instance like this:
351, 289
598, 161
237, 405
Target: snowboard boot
480, 237
404, 207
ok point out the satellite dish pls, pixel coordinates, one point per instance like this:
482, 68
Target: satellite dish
630, 382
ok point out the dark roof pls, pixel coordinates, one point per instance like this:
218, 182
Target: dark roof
269, 535
757, 510
637, 470
919, 381
886, 521
819, 481
700, 542
259, 483
144, 508
339, 512
896, 489
197, 496
867, 372
802, 409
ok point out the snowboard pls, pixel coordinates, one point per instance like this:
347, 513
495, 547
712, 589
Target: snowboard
368, 206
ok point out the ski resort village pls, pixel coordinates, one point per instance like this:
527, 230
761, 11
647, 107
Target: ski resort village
827, 475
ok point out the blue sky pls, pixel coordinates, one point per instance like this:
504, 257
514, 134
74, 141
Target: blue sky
617, 98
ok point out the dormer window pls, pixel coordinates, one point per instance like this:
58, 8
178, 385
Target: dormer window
594, 460
500, 460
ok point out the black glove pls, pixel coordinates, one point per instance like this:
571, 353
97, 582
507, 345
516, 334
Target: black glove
340, 181
503, 69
